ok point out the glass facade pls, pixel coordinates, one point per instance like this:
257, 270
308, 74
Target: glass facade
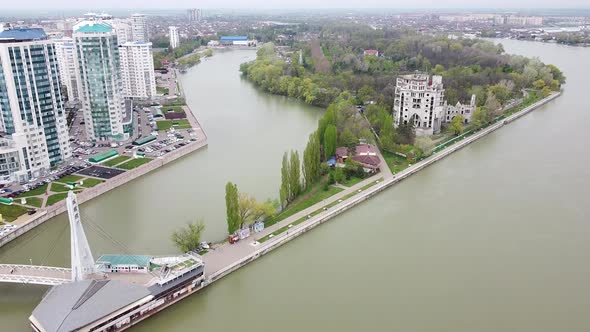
101, 82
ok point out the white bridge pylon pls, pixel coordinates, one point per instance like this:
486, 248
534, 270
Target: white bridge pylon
82, 261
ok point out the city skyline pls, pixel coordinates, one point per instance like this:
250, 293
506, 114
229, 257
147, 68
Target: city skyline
301, 4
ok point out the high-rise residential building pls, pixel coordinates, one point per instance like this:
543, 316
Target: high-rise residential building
123, 30
137, 68
174, 38
67, 62
139, 28
34, 133
419, 101
99, 77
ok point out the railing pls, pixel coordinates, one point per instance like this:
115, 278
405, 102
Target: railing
33, 274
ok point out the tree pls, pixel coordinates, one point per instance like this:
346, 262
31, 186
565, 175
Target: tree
387, 133
425, 144
339, 175
311, 157
330, 140
480, 117
347, 138
539, 84
188, 238
250, 210
285, 191
546, 91
500, 91
492, 104
457, 125
231, 205
208, 52
294, 175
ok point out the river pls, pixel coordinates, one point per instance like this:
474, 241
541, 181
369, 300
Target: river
493, 238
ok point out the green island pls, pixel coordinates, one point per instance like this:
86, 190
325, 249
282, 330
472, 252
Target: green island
361, 90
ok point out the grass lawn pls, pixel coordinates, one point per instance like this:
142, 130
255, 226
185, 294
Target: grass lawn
56, 198
162, 90
311, 196
135, 163
177, 124
396, 163
35, 192
351, 182
89, 182
174, 108
69, 178
11, 212
115, 161
58, 187
33, 201
318, 211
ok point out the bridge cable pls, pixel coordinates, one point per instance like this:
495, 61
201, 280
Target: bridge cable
105, 235
55, 243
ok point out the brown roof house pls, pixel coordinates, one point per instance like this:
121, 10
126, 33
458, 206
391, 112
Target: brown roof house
366, 155
341, 156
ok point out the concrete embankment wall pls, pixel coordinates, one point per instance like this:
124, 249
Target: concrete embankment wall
300, 229
90, 193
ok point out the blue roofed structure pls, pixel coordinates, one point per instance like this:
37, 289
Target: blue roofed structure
233, 38
22, 35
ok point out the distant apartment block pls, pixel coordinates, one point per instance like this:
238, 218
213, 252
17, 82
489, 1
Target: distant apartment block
67, 63
139, 28
137, 68
99, 77
174, 38
33, 130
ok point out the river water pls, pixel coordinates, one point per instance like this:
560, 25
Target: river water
493, 238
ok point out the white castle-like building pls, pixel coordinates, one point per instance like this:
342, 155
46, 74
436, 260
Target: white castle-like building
419, 100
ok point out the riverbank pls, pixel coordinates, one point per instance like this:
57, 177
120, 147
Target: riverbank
30, 222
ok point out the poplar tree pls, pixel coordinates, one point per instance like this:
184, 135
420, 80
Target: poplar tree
294, 175
232, 207
284, 191
330, 140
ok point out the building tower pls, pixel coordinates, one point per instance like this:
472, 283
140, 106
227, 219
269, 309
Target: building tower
81, 256
67, 60
174, 38
139, 28
34, 134
419, 101
137, 68
99, 78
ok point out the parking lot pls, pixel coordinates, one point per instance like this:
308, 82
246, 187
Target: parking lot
101, 172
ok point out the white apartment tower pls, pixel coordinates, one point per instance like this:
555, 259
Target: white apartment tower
137, 68
99, 77
174, 38
33, 130
419, 100
139, 28
67, 62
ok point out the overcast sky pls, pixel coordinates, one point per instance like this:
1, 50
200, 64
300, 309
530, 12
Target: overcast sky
278, 4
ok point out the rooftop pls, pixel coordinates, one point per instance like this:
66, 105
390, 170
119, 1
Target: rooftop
22, 35
92, 27
139, 260
72, 306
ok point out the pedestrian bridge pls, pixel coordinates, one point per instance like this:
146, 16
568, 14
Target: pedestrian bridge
36, 275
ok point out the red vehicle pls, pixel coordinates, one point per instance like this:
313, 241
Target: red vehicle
233, 239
